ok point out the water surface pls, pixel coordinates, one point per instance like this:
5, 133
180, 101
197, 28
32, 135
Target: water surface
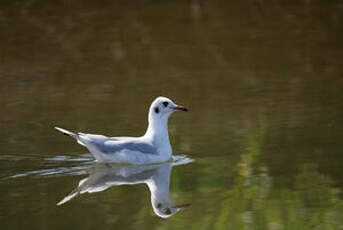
263, 81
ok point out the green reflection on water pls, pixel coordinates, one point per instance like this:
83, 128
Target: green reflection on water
263, 81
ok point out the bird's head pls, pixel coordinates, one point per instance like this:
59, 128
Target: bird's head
161, 108
166, 210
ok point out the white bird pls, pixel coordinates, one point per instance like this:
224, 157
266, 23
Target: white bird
155, 176
152, 147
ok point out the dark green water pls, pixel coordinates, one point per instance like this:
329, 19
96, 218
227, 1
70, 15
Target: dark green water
263, 81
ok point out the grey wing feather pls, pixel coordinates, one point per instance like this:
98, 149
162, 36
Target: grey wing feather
112, 144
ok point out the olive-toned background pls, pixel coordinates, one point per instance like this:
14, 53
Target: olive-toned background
263, 81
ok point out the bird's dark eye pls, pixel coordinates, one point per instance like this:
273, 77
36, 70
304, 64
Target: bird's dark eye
157, 110
168, 212
165, 104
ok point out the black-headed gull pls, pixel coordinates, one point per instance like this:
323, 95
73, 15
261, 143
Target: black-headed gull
152, 147
155, 176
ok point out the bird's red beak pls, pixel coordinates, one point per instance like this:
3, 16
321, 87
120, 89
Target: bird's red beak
182, 206
181, 108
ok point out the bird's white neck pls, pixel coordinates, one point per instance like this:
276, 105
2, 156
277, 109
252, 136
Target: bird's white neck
158, 129
157, 132
159, 186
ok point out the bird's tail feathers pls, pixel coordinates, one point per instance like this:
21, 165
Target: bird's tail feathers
66, 132
68, 198
73, 135
74, 193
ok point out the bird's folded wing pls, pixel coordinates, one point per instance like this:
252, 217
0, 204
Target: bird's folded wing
116, 144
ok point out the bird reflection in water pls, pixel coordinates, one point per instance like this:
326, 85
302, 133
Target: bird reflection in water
156, 176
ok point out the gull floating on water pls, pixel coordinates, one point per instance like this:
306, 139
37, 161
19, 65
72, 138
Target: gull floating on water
155, 176
152, 147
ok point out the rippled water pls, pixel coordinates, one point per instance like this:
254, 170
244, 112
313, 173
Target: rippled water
263, 81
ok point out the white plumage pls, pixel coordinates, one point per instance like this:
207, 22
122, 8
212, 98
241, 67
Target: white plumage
152, 147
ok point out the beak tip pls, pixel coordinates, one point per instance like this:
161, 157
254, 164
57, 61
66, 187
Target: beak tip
183, 206
181, 108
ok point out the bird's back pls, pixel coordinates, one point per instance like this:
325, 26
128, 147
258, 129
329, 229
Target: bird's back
119, 149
